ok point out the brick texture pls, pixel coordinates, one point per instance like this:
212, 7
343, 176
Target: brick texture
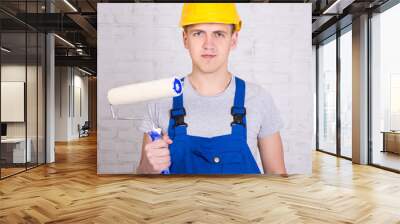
142, 42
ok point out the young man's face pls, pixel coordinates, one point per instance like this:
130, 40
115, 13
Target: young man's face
209, 45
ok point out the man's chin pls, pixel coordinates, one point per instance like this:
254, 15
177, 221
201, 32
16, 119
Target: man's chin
208, 69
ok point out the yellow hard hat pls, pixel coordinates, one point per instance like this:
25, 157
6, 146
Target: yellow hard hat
194, 13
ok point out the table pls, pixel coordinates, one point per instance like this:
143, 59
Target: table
391, 141
17, 149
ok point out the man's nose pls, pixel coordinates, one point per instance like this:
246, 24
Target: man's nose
208, 42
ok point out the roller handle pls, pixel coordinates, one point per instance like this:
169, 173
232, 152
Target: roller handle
155, 135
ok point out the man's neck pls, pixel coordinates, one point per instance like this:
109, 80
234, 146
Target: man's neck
210, 84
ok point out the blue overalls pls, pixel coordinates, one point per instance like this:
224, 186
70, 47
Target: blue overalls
225, 154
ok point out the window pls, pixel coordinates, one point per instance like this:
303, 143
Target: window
327, 96
346, 93
22, 77
385, 88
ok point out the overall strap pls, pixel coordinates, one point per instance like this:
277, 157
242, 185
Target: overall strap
177, 125
238, 110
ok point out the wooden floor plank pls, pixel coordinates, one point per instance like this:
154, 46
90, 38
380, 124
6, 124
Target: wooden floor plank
70, 191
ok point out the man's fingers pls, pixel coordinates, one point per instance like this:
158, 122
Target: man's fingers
166, 138
159, 144
157, 154
160, 163
160, 152
162, 166
165, 162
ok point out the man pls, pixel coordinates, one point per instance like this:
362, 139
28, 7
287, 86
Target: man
220, 124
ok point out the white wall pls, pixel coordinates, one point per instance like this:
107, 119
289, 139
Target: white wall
68, 80
80, 118
33, 127
15, 72
61, 103
138, 42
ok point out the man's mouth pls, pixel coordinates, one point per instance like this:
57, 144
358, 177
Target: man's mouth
208, 56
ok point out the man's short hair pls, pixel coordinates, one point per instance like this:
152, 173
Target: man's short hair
232, 28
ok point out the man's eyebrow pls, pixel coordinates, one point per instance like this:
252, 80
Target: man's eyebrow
216, 31
195, 30
220, 31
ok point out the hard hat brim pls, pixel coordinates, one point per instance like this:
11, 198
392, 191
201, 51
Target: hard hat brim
238, 25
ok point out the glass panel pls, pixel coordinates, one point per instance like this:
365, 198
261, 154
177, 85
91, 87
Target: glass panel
346, 93
41, 98
327, 96
13, 87
386, 89
23, 89
32, 89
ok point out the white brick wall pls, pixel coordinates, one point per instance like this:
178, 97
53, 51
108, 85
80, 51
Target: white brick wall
140, 42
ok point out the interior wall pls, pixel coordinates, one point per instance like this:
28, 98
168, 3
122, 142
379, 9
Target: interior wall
62, 80
33, 126
70, 83
17, 72
92, 100
79, 116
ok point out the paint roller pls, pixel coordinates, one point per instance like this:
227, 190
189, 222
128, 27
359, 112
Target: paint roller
141, 92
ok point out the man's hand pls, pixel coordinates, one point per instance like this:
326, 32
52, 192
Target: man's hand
155, 155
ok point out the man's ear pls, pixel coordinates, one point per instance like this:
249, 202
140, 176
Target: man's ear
184, 39
234, 39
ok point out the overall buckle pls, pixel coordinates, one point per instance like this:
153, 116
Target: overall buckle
238, 113
179, 116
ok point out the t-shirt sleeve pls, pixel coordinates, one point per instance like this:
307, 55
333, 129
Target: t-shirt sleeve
271, 121
149, 118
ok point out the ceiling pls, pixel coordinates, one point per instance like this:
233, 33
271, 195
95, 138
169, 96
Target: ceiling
76, 22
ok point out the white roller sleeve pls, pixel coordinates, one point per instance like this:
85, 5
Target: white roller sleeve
145, 91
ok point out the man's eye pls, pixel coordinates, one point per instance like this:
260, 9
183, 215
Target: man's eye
196, 34
220, 35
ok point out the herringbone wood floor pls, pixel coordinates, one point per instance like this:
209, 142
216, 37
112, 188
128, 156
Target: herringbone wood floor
70, 191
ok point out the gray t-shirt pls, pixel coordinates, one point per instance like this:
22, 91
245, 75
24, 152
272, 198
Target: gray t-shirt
209, 116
